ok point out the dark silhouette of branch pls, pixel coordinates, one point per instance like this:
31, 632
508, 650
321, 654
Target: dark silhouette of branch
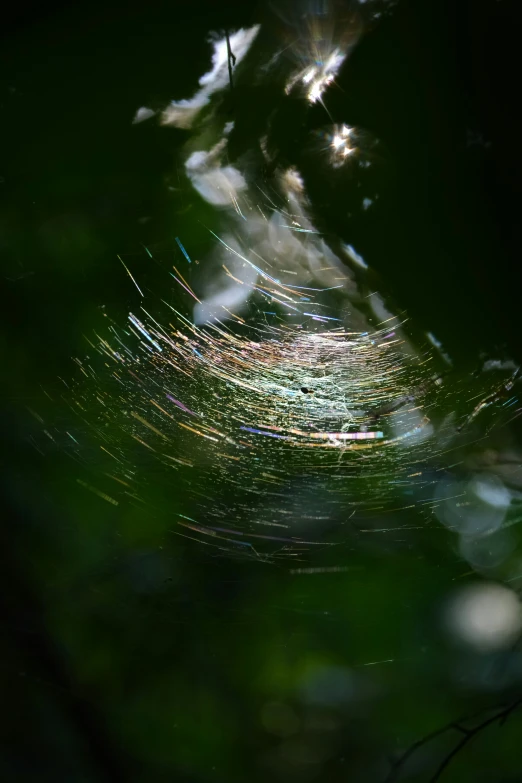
467, 737
399, 763
231, 60
501, 716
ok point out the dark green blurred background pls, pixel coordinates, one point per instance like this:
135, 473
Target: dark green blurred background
125, 654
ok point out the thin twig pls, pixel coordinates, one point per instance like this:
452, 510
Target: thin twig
464, 741
399, 763
501, 716
231, 60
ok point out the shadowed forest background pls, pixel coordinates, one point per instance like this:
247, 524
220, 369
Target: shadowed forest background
126, 653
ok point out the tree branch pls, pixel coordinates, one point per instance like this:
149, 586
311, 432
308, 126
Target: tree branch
231, 60
501, 716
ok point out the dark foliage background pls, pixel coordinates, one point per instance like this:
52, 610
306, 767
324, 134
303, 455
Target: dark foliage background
126, 655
